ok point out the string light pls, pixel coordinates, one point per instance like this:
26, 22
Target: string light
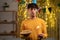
49, 17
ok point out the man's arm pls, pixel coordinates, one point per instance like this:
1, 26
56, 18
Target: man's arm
44, 29
21, 29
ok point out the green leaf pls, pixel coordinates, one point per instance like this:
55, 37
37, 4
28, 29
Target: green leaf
44, 10
22, 2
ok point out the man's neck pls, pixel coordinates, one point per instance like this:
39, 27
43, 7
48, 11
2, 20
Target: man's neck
32, 17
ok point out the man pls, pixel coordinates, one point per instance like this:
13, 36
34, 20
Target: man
34, 24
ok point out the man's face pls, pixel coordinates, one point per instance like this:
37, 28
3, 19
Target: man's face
32, 12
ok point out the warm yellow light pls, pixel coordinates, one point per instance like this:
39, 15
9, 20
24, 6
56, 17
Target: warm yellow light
48, 4
46, 19
25, 16
59, 10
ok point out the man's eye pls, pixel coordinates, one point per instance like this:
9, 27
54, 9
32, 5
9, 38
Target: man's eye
34, 9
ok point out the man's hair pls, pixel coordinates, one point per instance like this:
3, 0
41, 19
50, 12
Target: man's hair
32, 5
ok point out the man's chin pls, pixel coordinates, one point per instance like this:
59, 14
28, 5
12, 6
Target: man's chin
32, 16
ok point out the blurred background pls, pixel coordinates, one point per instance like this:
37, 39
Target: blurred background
13, 12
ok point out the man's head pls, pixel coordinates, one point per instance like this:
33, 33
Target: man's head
32, 5
32, 9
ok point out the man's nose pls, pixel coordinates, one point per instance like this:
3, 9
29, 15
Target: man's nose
32, 10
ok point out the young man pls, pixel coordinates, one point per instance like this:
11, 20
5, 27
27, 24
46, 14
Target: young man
34, 24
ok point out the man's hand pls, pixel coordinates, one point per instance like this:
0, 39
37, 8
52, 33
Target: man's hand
40, 36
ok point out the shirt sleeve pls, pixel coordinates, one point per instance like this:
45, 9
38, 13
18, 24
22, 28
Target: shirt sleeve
44, 29
21, 28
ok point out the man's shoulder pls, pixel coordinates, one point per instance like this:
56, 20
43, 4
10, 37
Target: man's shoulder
40, 19
24, 20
